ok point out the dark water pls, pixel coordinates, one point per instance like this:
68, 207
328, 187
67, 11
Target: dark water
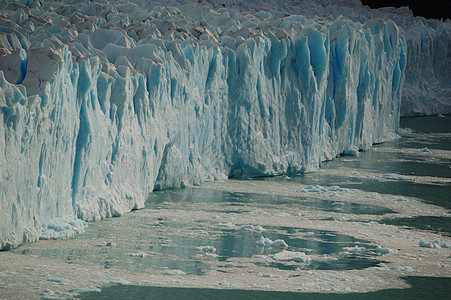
350, 262
184, 198
421, 288
433, 194
430, 124
441, 225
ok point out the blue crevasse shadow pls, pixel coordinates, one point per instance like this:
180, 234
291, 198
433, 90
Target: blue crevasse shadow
23, 66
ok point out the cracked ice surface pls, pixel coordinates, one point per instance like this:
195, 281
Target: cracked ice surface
118, 98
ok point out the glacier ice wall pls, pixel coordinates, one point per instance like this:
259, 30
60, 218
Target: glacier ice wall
427, 89
103, 102
428, 74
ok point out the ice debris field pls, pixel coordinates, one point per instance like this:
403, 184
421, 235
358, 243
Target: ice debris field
103, 102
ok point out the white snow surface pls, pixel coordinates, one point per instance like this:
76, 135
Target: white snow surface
102, 102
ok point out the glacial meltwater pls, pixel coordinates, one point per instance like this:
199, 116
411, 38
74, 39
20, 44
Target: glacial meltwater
374, 225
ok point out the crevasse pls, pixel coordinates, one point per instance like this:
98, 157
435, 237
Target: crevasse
106, 114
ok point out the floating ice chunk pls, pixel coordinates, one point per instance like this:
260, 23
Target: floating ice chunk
402, 269
334, 194
336, 188
47, 292
209, 249
8, 273
278, 244
90, 289
226, 224
275, 244
354, 249
292, 256
118, 281
226, 284
385, 234
59, 280
426, 244
405, 130
424, 150
206, 253
373, 196
212, 255
342, 277
442, 181
394, 176
253, 228
314, 189
267, 275
156, 223
400, 199
62, 227
259, 228
433, 244
353, 151
281, 214
258, 286
107, 244
230, 265
264, 241
383, 250
174, 272
327, 283
378, 268
138, 254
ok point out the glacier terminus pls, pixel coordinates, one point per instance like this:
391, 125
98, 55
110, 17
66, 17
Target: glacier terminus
102, 102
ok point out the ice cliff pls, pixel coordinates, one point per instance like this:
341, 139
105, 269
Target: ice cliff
103, 102
427, 89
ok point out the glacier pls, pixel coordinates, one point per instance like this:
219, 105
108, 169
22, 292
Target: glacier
103, 102
427, 88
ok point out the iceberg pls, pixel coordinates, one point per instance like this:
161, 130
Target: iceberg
103, 102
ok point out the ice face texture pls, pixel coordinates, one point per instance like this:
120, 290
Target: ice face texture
427, 89
428, 86
102, 102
